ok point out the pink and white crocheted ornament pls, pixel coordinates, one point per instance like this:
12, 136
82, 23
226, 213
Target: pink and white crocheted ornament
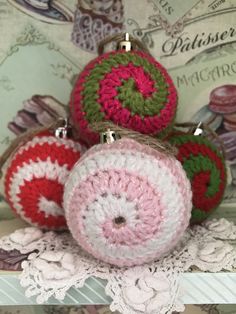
35, 178
126, 203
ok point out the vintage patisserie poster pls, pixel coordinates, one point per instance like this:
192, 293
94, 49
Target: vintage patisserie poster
44, 44
206, 83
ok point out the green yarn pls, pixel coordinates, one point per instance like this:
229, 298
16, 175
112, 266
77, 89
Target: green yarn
197, 164
133, 100
205, 167
198, 215
128, 95
184, 138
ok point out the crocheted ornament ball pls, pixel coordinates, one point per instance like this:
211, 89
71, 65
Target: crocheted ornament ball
126, 203
205, 168
131, 89
35, 178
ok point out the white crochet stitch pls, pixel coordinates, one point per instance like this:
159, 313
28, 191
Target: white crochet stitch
27, 172
153, 288
150, 193
35, 176
49, 207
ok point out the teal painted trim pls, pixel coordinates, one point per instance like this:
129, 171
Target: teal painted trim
199, 288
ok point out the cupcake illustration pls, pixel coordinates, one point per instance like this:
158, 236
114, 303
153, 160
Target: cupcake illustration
50, 11
94, 20
37, 111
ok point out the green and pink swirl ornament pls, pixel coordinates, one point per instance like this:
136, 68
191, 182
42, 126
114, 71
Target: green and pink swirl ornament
205, 168
130, 89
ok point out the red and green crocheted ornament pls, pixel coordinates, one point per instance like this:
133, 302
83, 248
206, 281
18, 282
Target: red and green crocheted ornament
205, 168
131, 89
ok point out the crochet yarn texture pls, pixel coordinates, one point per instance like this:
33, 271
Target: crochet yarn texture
35, 178
126, 203
131, 89
205, 168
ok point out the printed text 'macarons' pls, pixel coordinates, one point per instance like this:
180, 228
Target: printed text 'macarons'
206, 74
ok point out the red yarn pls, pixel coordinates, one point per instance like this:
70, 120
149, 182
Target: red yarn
35, 179
190, 148
34, 190
114, 79
107, 106
199, 189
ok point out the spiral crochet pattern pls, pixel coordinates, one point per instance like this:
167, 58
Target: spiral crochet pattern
126, 203
35, 178
131, 89
205, 168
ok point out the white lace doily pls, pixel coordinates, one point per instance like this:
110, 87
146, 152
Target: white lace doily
58, 263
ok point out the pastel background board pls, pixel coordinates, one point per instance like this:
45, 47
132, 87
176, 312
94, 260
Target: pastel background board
38, 57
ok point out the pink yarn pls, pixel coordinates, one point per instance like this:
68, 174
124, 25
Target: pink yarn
118, 183
113, 108
126, 203
114, 79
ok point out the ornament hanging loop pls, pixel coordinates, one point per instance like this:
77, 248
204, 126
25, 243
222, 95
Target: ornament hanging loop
121, 132
124, 41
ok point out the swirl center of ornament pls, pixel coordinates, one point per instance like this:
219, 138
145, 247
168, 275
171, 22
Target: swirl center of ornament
119, 222
131, 87
50, 207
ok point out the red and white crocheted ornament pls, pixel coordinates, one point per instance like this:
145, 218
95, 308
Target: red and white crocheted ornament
126, 203
35, 178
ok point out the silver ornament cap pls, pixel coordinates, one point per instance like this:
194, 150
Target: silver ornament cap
63, 131
125, 44
198, 131
108, 137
